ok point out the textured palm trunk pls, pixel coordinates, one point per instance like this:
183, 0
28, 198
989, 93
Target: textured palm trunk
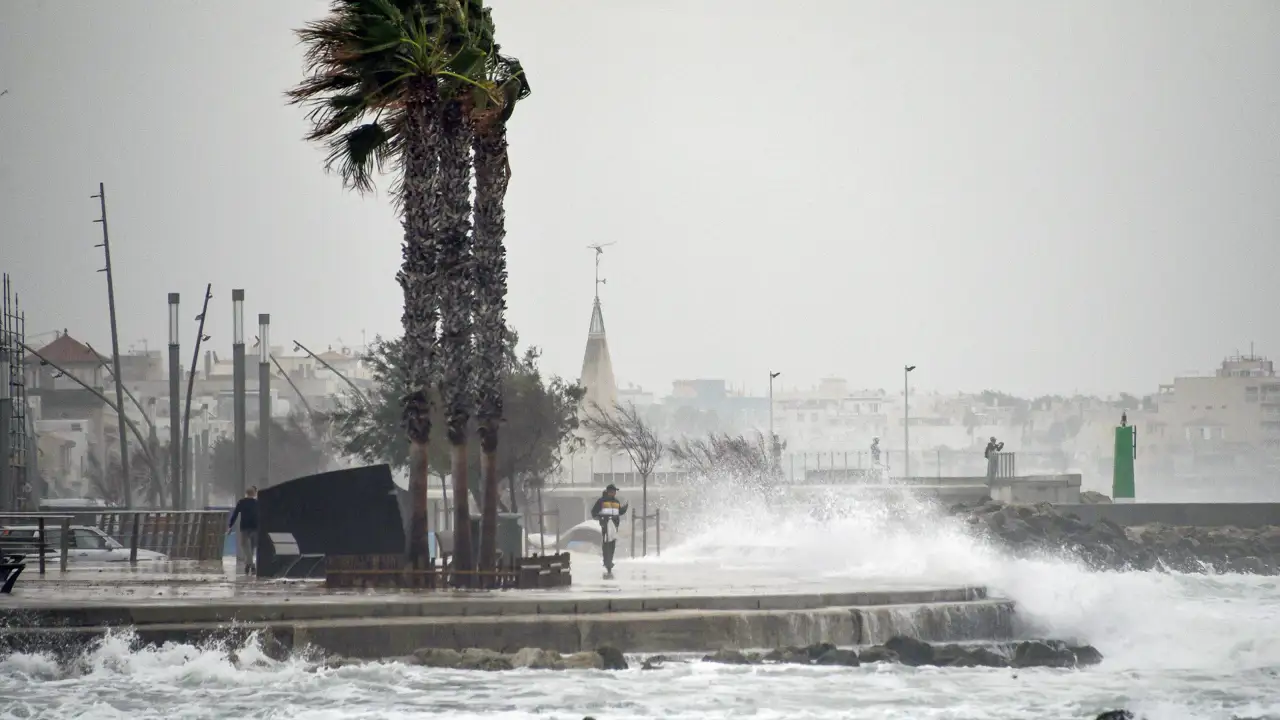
491, 295
421, 309
455, 290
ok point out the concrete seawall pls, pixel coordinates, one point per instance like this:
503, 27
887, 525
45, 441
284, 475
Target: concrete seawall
1241, 515
394, 626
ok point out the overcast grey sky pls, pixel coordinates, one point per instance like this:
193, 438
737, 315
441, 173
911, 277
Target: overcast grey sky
1031, 196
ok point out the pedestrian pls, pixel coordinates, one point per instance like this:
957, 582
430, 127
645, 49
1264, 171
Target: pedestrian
609, 511
247, 540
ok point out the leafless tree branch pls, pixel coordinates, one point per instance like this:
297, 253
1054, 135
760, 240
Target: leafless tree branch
622, 430
738, 457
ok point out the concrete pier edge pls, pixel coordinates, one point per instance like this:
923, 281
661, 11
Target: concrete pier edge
119, 612
377, 628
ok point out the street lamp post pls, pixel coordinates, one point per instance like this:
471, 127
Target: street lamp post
6, 414
264, 394
773, 439
238, 381
175, 397
906, 420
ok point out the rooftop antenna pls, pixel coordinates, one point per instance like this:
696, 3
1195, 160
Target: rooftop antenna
599, 248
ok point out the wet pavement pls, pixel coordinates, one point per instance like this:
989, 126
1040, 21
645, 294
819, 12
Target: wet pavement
183, 583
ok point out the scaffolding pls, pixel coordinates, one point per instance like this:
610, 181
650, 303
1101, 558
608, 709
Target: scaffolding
16, 486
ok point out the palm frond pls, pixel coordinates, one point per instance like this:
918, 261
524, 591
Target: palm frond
360, 60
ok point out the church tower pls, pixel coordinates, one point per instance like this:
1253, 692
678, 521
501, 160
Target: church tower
597, 368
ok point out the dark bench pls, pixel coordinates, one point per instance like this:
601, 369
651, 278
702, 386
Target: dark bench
286, 560
11, 566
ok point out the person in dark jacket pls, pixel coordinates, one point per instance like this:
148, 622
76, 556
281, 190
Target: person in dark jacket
609, 511
247, 540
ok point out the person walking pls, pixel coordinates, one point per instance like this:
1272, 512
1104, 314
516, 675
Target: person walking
247, 540
609, 511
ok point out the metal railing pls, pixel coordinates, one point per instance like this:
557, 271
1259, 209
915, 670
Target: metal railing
39, 544
655, 518
835, 468
179, 535
1001, 465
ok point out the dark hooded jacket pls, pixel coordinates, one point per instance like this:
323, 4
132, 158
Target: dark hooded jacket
607, 508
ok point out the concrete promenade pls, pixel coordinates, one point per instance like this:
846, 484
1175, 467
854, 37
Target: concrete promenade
649, 607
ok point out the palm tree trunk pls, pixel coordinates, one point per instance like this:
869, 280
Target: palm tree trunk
421, 308
490, 147
455, 289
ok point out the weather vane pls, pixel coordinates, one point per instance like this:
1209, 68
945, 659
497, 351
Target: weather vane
599, 248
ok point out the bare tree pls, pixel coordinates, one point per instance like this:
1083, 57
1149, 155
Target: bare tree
737, 457
623, 430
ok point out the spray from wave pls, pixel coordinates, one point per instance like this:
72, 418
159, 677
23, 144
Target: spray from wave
119, 653
1138, 619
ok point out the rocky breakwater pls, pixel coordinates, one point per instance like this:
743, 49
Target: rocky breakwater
603, 658
1105, 545
899, 649
905, 650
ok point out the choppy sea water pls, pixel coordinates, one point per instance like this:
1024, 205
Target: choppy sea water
1176, 646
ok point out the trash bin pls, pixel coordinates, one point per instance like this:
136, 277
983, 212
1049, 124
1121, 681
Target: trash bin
510, 534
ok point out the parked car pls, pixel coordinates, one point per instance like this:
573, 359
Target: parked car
584, 537
87, 544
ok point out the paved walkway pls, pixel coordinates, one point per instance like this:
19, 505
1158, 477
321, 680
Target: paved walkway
176, 583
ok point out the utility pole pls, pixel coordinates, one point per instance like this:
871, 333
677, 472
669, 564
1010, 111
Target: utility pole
299, 347
6, 414
906, 420
264, 394
238, 390
115, 349
175, 398
773, 439
191, 384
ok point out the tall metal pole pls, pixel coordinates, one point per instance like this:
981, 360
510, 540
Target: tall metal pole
359, 393
175, 407
264, 394
6, 414
906, 420
773, 439
115, 348
191, 385
238, 390
302, 398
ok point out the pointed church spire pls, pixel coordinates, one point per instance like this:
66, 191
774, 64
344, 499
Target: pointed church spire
597, 320
597, 367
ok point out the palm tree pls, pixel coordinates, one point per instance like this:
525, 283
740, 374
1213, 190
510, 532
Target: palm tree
376, 74
493, 171
455, 291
